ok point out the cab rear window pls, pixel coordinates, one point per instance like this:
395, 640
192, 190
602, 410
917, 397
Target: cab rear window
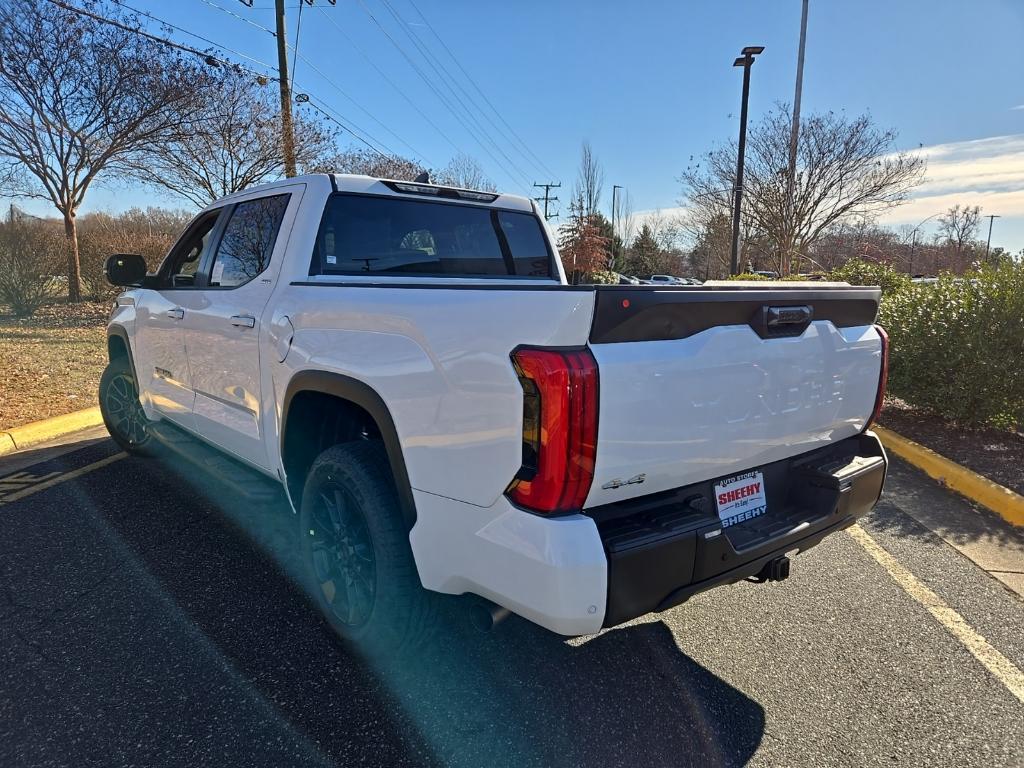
361, 234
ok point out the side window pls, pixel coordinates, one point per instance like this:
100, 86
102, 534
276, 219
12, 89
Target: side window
527, 244
180, 267
248, 241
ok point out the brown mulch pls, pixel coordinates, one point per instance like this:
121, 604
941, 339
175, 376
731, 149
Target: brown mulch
996, 454
51, 363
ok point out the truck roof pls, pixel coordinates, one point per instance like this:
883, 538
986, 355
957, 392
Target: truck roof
348, 182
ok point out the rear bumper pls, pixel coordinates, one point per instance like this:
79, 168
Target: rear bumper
663, 551
579, 573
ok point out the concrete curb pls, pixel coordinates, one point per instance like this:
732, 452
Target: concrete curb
33, 433
1004, 502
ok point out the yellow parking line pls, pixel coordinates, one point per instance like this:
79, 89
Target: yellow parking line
61, 478
1001, 667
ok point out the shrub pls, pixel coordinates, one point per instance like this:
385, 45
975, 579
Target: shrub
863, 272
957, 346
150, 233
30, 256
603, 277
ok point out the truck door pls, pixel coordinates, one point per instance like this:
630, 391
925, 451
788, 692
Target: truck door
224, 325
165, 383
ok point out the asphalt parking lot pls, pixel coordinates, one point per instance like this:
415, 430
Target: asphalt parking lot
145, 620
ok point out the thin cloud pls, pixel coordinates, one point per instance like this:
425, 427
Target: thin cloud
986, 172
1019, 106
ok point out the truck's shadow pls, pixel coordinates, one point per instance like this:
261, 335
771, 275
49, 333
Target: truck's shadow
518, 696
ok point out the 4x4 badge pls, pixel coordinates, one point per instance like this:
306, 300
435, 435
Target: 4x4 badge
617, 483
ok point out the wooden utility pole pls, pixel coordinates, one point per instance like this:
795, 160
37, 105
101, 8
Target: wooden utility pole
287, 135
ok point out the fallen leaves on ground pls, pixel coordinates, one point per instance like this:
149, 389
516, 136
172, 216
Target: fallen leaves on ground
51, 363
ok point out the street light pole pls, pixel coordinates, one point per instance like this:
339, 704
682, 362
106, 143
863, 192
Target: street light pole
746, 61
913, 242
992, 217
794, 135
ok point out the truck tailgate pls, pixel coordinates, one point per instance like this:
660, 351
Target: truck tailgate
702, 383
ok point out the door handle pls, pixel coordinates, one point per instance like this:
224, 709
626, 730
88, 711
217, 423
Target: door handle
243, 321
176, 314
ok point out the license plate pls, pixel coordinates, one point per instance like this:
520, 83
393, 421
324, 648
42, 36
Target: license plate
740, 498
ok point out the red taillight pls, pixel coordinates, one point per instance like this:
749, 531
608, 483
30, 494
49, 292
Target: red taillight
883, 377
559, 429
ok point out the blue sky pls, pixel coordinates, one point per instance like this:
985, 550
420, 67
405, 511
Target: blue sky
650, 83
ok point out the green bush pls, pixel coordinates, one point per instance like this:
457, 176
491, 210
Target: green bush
785, 278
602, 277
862, 272
957, 346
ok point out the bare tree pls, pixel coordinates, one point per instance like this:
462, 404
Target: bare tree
622, 223
589, 181
371, 163
959, 226
464, 171
80, 98
846, 168
235, 144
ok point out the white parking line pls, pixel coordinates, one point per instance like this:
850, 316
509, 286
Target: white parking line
52, 481
1001, 667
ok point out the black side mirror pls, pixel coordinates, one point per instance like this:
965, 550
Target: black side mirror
125, 269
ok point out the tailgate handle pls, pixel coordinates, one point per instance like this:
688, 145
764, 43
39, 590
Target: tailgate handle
789, 316
773, 322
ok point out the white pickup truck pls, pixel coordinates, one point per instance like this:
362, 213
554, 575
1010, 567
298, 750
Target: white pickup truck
446, 414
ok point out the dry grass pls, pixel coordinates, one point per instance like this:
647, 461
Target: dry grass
51, 363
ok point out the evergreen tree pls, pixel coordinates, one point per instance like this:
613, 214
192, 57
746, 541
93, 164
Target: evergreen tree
645, 254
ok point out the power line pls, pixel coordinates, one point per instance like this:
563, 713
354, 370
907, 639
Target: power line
355, 130
205, 55
295, 49
240, 17
325, 76
342, 91
442, 74
323, 111
164, 40
384, 75
444, 100
542, 167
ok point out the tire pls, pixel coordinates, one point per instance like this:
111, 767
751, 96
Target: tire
122, 412
356, 554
